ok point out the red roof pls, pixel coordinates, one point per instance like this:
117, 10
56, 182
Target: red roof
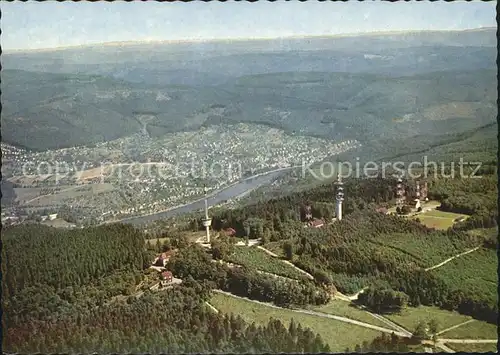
166, 274
381, 210
230, 231
317, 223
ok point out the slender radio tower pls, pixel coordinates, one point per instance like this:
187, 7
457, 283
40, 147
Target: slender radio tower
400, 192
207, 221
339, 198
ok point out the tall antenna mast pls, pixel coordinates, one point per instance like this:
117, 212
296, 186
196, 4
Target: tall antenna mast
207, 221
400, 191
339, 198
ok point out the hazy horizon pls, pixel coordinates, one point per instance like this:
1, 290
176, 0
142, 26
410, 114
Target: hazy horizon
46, 26
236, 39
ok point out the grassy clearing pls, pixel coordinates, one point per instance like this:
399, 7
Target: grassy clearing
444, 214
476, 272
434, 222
409, 317
347, 309
472, 330
260, 260
438, 219
474, 348
337, 334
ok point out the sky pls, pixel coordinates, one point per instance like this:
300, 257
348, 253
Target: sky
50, 24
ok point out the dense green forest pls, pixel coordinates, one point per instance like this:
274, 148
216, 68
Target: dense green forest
173, 321
75, 291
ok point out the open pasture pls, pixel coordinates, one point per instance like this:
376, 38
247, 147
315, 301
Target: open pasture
439, 219
473, 330
409, 317
337, 334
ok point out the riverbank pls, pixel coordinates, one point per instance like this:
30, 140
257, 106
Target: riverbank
232, 191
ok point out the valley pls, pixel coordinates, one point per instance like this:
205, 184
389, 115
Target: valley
172, 197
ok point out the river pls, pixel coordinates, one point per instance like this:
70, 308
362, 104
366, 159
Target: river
215, 198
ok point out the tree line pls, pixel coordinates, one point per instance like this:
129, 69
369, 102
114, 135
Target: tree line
173, 321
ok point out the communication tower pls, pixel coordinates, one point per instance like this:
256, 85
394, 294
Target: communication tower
339, 198
207, 221
400, 192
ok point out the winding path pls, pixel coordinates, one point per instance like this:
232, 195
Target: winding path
319, 314
455, 326
450, 259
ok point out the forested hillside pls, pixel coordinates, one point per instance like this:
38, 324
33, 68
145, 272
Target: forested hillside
75, 291
367, 247
61, 110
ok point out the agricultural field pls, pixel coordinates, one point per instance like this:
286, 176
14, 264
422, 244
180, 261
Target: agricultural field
476, 272
437, 247
260, 260
71, 192
349, 310
409, 317
338, 335
473, 330
474, 348
27, 193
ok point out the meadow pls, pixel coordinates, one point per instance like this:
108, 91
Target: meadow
409, 317
338, 335
473, 330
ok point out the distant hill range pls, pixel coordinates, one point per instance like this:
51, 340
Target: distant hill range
364, 87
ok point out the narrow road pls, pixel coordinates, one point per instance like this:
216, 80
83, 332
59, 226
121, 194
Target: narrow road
390, 323
212, 307
450, 259
323, 315
469, 341
455, 326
